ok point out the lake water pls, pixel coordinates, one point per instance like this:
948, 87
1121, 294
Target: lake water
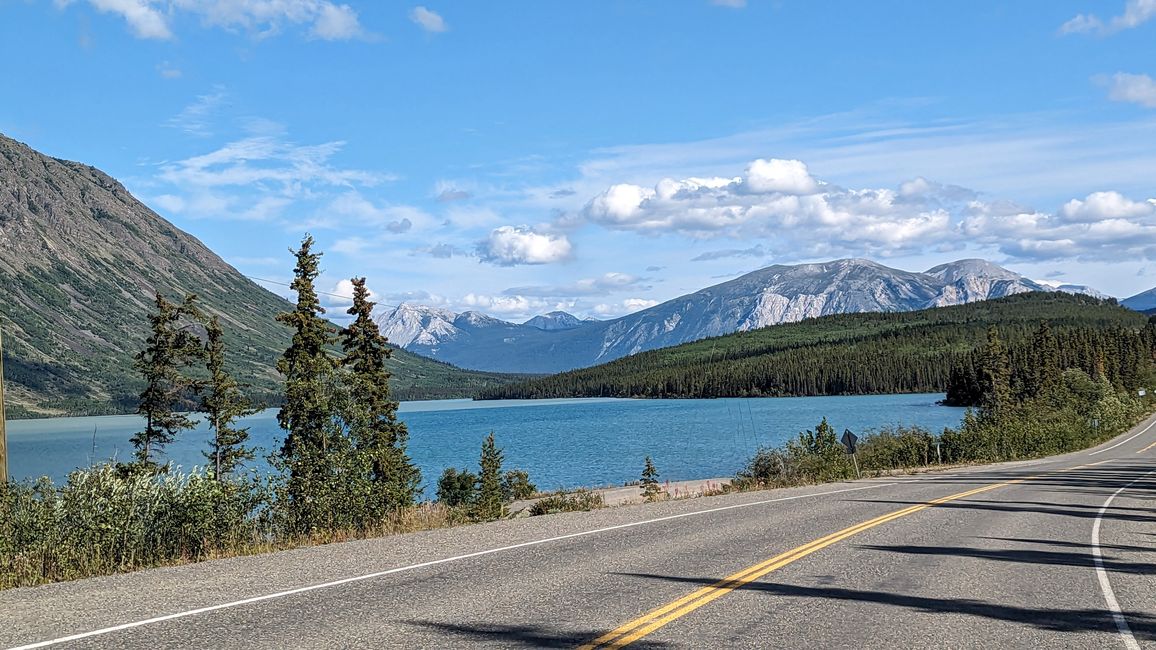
561, 443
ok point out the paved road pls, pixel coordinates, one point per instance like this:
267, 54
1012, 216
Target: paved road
1019, 555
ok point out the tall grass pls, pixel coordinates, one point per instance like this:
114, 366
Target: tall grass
101, 521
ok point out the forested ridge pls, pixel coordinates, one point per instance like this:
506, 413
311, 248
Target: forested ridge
848, 354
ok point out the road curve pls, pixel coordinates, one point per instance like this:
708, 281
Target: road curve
1055, 552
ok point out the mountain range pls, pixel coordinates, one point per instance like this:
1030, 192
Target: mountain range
80, 261
769, 296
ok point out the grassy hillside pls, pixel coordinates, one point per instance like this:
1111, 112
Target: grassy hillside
80, 261
835, 355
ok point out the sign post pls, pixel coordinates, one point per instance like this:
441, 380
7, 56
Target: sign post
849, 439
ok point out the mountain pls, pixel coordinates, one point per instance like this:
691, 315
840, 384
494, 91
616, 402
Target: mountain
556, 320
1074, 289
80, 260
769, 296
841, 354
1145, 301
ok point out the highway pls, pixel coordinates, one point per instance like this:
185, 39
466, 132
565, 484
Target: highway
1052, 553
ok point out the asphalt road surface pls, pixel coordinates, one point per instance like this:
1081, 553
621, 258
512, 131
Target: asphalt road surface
1054, 553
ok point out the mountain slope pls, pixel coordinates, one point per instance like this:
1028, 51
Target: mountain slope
80, 260
769, 296
1145, 301
833, 355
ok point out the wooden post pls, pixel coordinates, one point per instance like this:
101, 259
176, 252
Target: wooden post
3, 430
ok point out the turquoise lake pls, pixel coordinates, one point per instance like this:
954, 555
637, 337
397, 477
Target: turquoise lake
561, 443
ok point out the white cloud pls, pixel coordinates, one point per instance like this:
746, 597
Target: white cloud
1104, 226
151, 18
337, 23
779, 176
918, 216
1132, 88
513, 245
628, 306
504, 305
1102, 206
775, 198
1136, 13
604, 285
733, 4
270, 160
196, 118
428, 20
340, 297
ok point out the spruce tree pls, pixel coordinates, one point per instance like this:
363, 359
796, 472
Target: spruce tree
649, 482
457, 487
371, 414
490, 504
995, 377
222, 402
169, 350
308, 411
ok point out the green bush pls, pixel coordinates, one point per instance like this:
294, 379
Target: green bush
579, 500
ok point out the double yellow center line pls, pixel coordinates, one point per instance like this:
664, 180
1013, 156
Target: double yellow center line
648, 623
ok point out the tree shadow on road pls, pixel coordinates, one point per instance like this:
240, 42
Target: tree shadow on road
1051, 619
520, 636
1019, 556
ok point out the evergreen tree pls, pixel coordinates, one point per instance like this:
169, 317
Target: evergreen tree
457, 488
222, 402
371, 414
490, 504
649, 482
169, 350
995, 377
516, 485
307, 414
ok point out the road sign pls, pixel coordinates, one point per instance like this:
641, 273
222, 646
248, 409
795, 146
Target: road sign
849, 439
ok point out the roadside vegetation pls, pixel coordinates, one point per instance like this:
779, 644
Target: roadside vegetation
1049, 394
342, 473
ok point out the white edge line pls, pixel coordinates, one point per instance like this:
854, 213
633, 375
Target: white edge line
456, 558
1102, 575
1142, 432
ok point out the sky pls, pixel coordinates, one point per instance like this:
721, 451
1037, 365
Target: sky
600, 157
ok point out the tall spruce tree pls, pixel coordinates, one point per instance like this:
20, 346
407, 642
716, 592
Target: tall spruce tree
222, 402
308, 411
994, 377
371, 414
170, 349
490, 504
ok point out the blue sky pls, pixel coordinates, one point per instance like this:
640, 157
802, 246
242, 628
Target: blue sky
599, 157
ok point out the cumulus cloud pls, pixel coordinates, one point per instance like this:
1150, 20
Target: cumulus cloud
1132, 88
622, 308
151, 18
340, 297
1104, 226
779, 176
779, 199
1136, 13
604, 285
793, 215
428, 20
513, 245
504, 305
